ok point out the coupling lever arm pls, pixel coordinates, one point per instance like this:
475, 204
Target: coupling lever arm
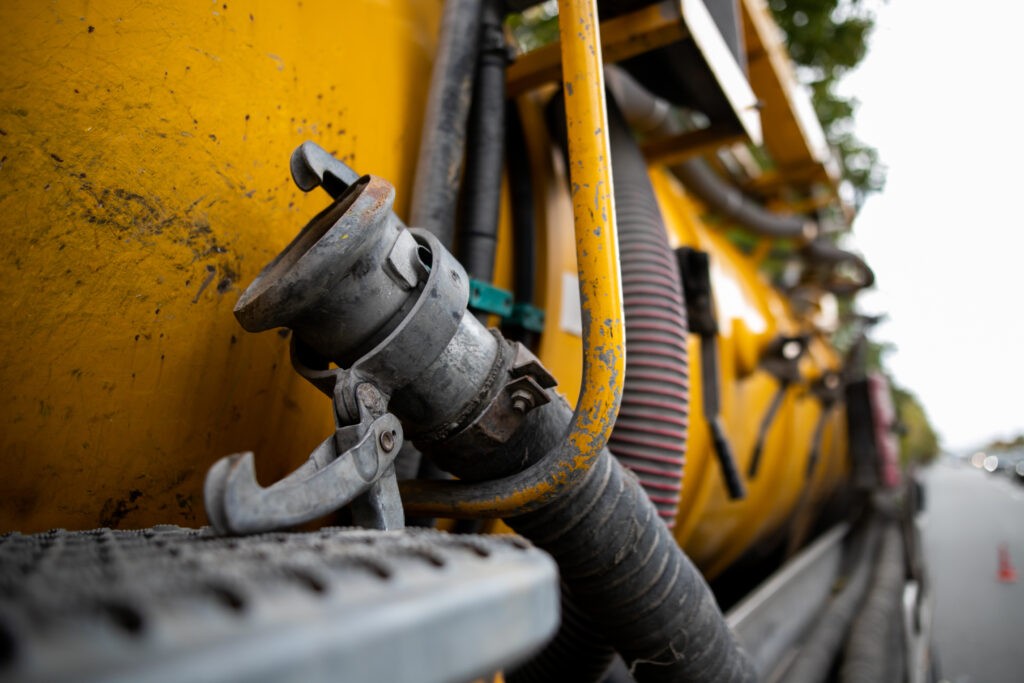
355, 464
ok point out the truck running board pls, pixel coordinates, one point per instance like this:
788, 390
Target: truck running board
174, 604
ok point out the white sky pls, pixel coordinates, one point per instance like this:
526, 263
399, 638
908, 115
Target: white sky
942, 98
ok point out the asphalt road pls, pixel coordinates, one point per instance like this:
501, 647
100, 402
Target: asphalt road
979, 621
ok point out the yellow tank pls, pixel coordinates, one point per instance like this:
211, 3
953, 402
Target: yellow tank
144, 185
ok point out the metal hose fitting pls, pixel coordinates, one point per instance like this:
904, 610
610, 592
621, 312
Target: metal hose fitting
388, 304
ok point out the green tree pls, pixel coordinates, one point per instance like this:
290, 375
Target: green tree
827, 38
1000, 446
918, 441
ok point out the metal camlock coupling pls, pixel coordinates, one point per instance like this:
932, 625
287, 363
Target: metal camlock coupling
380, 324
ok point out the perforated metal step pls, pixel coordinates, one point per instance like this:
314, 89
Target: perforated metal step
174, 604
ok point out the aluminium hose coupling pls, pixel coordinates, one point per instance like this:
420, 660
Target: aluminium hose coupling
347, 276
388, 306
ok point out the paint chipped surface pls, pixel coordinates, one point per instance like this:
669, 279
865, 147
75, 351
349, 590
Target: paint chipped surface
145, 182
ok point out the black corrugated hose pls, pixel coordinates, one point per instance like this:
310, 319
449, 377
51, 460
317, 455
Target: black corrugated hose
650, 434
654, 114
651, 429
698, 177
578, 653
627, 576
818, 651
875, 650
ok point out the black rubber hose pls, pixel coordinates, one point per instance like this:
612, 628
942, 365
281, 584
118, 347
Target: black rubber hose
650, 434
875, 649
627, 575
653, 114
698, 177
481, 190
524, 229
439, 165
579, 653
442, 141
823, 253
818, 651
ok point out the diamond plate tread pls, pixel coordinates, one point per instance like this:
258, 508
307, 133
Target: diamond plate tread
172, 604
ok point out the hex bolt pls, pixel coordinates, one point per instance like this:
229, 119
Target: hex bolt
387, 441
522, 401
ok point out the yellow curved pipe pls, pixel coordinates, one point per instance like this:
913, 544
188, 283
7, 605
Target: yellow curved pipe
597, 242
597, 258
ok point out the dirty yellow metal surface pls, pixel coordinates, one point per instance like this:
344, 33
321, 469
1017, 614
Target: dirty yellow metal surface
143, 183
622, 37
713, 529
597, 247
792, 134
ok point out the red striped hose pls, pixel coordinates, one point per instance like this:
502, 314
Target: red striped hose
650, 434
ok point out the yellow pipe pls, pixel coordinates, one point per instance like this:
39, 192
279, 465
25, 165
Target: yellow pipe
597, 259
597, 243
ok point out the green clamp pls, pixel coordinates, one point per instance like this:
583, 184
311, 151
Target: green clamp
486, 298
527, 316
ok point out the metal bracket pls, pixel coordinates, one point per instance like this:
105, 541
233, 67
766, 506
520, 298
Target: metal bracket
526, 316
353, 465
781, 359
486, 298
828, 389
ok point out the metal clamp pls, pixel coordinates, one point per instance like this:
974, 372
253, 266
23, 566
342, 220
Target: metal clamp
353, 465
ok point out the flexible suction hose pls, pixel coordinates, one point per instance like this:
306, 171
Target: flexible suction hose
578, 652
647, 111
818, 651
627, 576
651, 429
875, 649
650, 433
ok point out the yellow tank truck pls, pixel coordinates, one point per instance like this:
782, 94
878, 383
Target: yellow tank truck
522, 400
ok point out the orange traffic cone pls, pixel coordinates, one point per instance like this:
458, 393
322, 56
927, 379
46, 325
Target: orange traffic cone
1006, 572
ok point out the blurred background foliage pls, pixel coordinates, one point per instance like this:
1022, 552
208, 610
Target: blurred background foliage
919, 442
826, 39
1003, 446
